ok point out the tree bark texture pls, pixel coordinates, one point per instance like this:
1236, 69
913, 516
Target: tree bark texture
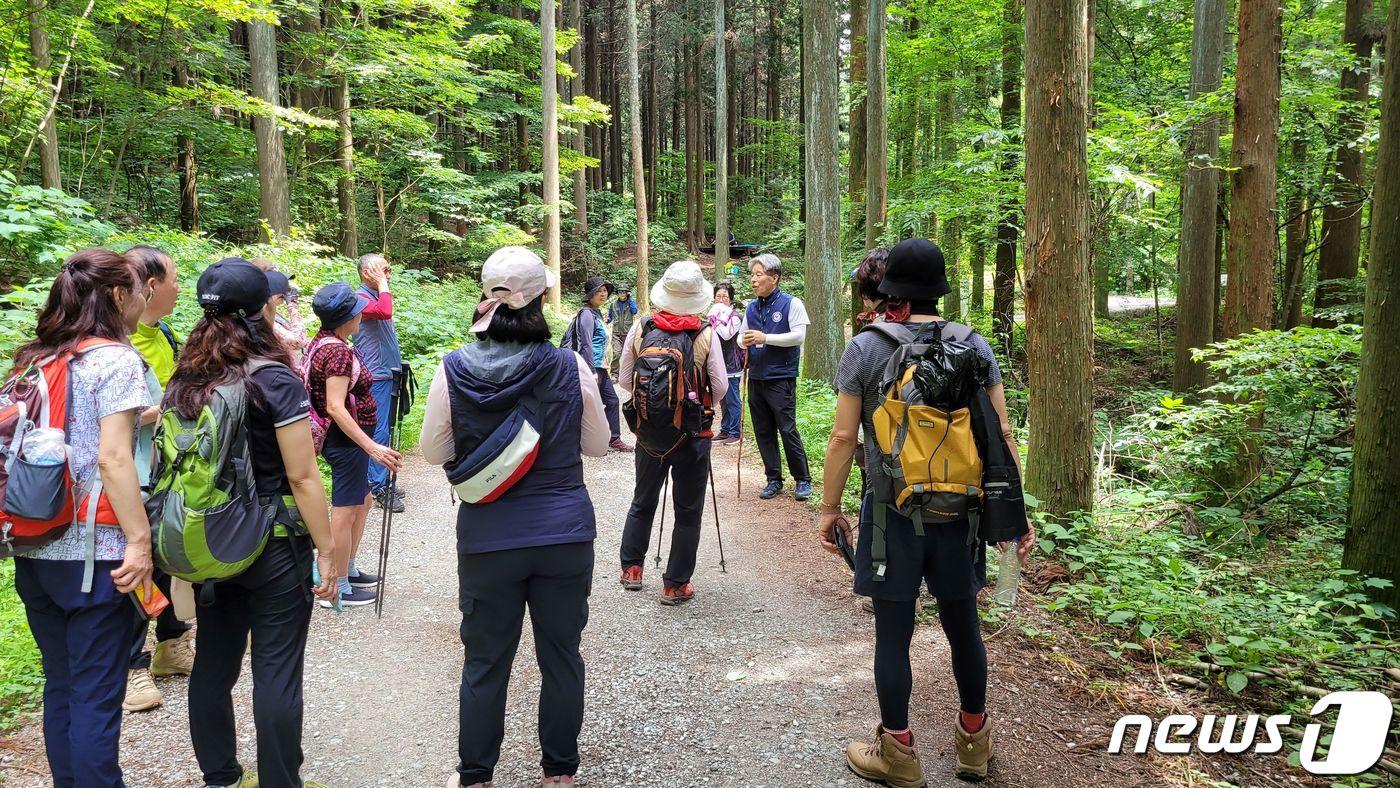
821, 36
549, 145
273, 194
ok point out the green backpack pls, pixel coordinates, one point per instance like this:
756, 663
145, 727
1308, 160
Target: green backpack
207, 522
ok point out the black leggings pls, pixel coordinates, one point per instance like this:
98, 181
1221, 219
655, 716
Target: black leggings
894, 678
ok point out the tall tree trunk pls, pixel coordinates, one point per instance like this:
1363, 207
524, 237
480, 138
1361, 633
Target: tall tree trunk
694, 213
639, 182
821, 92
855, 182
1059, 290
1004, 278
576, 89
1196, 265
186, 163
653, 142
1253, 242
1296, 236
50, 173
549, 144
1374, 533
978, 304
773, 103
274, 199
345, 159
721, 139
1339, 257
877, 144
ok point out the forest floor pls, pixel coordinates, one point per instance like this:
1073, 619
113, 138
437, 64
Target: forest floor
759, 682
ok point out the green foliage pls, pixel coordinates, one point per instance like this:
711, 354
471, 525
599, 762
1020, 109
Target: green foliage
21, 678
38, 226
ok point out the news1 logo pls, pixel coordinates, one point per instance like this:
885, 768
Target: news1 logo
1358, 738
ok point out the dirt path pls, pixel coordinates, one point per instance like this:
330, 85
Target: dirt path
759, 682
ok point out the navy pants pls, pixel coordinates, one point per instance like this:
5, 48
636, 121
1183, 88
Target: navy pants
272, 601
493, 591
689, 467
85, 641
732, 417
383, 393
611, 404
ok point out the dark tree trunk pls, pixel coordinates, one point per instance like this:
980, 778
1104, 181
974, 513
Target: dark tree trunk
187, 164
1004, 282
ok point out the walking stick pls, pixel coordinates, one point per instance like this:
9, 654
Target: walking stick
398, 404
665, 493
714, 501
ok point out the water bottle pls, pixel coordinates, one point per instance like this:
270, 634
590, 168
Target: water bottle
1008, 575
44, 446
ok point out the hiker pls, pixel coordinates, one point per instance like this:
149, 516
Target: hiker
339, 382
587, 336
377, 343
285, 314
727, 319
75, 587
865, 280
271, 599
159, 347
672, 423
775, 328
620, 316
948, 554
511, 404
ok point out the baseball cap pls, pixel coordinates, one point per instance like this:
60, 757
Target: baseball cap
232, 286
513, 276
278, 283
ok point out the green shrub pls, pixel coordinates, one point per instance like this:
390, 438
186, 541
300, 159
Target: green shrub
21, 677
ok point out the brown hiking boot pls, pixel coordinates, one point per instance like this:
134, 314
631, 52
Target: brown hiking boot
973, 749
886, 760
174, 657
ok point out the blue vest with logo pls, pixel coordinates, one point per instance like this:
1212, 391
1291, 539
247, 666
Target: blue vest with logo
550, 504
770, 315
378, 343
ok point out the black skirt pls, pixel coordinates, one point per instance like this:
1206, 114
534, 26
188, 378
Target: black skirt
942, 557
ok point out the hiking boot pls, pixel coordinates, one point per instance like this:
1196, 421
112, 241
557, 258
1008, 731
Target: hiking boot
772, 489
803, 491
382, 496
142, 694
363, 579
250, 780
616, 444
358, 597
677, 595
455, 781
886, 760
174, 657
973, 749
632, 578
562, 779
728, 440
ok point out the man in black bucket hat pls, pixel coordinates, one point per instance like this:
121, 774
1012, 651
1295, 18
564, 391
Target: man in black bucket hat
587, 335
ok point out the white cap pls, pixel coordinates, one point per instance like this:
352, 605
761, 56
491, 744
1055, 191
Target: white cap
683, 290
514, 276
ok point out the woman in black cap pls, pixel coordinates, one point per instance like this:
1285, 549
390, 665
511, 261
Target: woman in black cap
272, 598
587, 335
339, 384
945, 556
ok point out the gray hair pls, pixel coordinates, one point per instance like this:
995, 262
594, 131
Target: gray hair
366, 260
770, 262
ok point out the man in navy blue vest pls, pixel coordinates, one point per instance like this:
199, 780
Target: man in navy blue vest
776, 326
378, 345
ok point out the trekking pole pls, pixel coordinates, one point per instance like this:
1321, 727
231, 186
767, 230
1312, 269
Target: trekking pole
665, 490
714, 501
386, 526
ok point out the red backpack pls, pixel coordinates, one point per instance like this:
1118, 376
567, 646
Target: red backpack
38, 502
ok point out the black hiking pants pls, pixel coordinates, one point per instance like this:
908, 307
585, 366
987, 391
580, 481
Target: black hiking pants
272, 600
689, 466
494, 590
773, 406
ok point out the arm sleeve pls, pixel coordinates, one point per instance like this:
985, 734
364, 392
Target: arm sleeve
984, 349
848, 371
797, 314
121, 384
793, 338
380, 308
435, 439
628, 360
728, 329
719, 376
284, 395
595, 433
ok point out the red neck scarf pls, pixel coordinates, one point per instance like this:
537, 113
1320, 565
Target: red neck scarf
669, 322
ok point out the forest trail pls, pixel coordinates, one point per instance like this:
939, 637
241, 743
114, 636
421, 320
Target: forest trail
760, 681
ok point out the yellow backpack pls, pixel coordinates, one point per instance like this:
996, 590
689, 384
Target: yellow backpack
930, 462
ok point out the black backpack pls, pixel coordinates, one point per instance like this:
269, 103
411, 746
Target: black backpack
671, 400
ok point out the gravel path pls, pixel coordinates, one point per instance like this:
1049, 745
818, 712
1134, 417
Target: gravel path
759, 682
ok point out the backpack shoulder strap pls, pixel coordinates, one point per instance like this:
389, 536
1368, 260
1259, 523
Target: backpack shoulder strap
900, 333
957, 332
169, 337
